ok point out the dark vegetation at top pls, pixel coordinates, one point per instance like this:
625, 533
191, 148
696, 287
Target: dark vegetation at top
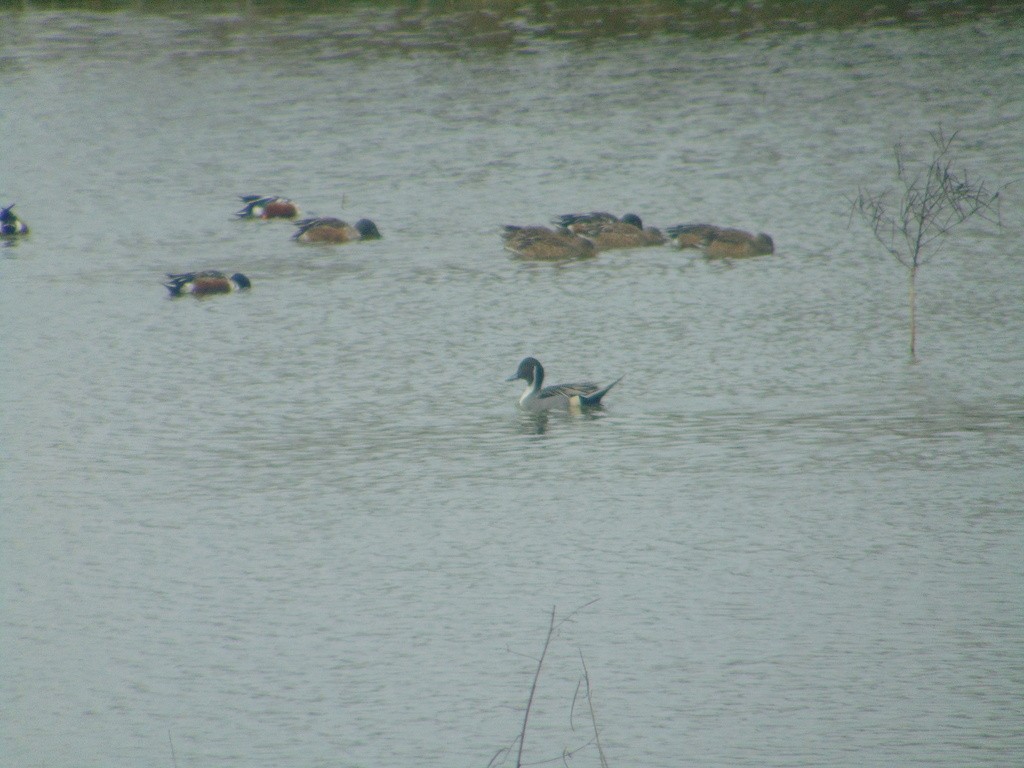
502, 21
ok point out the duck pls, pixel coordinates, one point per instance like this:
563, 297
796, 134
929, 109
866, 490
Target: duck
721, 242
545, 244
562, 397
267, 207
10, 224
737, 243
691, 235
331, 230
607, 232
577, 222
205, 283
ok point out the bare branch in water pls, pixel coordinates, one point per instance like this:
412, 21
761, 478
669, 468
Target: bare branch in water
926, 205
912, 220
519, 742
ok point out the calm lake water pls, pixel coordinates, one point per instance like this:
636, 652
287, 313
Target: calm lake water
306, 526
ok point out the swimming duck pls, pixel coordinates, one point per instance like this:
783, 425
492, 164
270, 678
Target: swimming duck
721, 241
544, 244
205, 283
606, 231
10, 224
577, 222
267, 207
330, 230
691, 235
736, 242
565, 397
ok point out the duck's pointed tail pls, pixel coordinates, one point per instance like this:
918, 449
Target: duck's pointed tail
175, 284
595, 397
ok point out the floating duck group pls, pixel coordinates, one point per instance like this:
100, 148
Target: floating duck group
582, 235
574, 236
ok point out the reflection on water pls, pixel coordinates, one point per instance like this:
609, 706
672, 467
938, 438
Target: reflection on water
537, 422
306, 524
533, 423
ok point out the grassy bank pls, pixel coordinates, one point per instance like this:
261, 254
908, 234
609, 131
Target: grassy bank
598, 18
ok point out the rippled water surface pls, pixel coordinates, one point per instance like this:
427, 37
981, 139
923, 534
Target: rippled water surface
305, 526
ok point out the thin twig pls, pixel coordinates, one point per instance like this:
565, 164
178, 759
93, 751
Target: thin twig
174, 758
502, 754
593, 717
572, 706
533, 689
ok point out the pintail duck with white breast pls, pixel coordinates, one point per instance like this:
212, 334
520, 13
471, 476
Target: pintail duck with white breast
563, 397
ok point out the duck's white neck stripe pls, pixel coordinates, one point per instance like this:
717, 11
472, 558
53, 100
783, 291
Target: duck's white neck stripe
528, 394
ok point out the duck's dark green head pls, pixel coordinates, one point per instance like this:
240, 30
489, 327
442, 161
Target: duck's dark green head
530, 370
